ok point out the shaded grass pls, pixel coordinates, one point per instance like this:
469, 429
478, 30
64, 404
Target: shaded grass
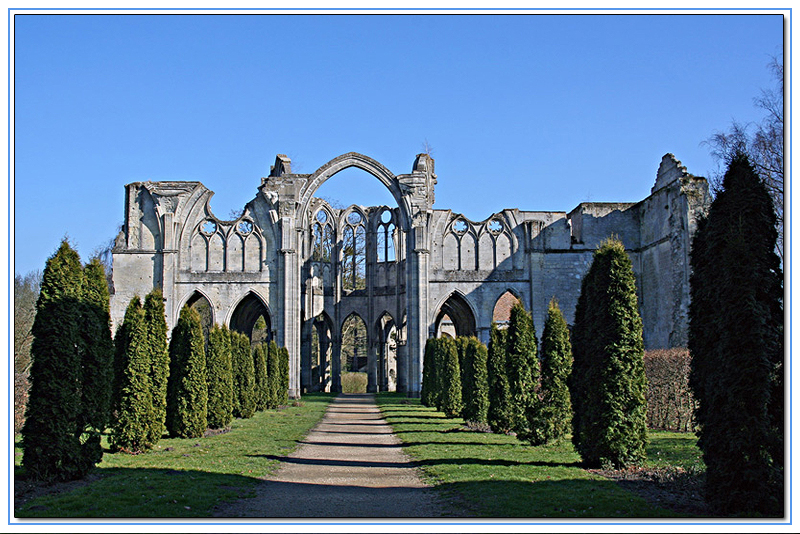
179, 477
499, 476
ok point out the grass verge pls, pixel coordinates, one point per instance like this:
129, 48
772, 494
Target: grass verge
180, 477
499, 476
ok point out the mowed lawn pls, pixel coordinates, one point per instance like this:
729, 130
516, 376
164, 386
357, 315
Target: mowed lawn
495, 475
181, 477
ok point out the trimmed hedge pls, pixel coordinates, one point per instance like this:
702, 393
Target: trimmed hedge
220, 378
132, 431
522, 369
499, 414
187, 400
608, 385
450, 378
736, 341
156, 326
243, 376
475, 393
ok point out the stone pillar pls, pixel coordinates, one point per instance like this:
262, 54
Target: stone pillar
336, 364
290, 271
372, 365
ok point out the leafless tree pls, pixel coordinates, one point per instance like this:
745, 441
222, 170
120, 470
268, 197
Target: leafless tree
762, 142
26, 293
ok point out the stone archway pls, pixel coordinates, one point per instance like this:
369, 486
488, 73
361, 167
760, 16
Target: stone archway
246, 314
459, 313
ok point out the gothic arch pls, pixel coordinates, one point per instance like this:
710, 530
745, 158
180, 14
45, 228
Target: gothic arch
458, 308
365, 163
245, 313
502, 306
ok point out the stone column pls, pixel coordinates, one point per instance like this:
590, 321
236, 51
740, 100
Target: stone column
290, 270
336, 364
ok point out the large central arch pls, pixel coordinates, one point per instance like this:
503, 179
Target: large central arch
365, 163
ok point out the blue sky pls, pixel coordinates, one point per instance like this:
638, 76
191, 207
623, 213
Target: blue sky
538, 112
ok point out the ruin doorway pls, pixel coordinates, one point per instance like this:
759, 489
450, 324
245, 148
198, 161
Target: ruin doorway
247, 314
455, 318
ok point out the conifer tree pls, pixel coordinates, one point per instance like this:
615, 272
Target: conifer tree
607, 385
244, 376
461, 345
451, 378
50, 437
736, 342
156, 325
262, 384
475, 393
522, 368
220, 378
273, 375
551, 420
428, 392
499, 415
283, 393
132, 429
97, 358
187, 389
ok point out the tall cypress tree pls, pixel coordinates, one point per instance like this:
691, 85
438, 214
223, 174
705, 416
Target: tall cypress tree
522, 368
736, 342
187, 389
499, 414
156, 326
428, 393
475, 393
450, 378
50, 440
132, 429
220, 378
607, 386
243, 376
552, 420
273, 382
97, 355
262, 385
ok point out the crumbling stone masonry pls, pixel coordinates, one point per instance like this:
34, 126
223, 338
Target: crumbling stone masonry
408, 271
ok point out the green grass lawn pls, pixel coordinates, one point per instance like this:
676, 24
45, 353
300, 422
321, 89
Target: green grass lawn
183, 477
500, 476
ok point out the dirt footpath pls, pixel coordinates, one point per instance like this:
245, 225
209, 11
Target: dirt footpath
349, 465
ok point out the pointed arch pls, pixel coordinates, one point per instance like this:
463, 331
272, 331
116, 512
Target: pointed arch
365, 163
355, 343
457, 308
502, 307
200, 303
246, 313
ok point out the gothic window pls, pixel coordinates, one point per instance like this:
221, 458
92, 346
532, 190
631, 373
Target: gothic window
385, 238
354, 264
322, 239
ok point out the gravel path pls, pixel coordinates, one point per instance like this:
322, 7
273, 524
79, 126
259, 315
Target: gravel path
349, 465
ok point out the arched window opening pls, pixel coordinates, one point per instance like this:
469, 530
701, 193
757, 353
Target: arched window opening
322, 237
385, 237
455, 318
246, 319
502, 309
354, 344
199, 303
387, 353
354, 257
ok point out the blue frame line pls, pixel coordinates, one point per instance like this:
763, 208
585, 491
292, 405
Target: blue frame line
13, 11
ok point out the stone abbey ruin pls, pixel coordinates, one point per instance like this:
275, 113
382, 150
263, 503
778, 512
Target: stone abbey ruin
407, 271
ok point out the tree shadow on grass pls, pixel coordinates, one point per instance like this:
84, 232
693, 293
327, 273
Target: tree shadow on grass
572, 498
126, 492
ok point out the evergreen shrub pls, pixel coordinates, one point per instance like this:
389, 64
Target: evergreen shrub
736, 342
156, 326
475, 393
243, 376
220, 378
187, 397
499, 414
608, 385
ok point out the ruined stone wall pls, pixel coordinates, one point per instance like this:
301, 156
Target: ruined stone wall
443, 261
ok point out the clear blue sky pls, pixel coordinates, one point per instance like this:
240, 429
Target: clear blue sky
538, 112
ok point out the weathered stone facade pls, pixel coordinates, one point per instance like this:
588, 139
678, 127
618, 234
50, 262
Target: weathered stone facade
408, 271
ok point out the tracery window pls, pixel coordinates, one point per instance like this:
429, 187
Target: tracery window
385, 237
322, 243
354, 257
